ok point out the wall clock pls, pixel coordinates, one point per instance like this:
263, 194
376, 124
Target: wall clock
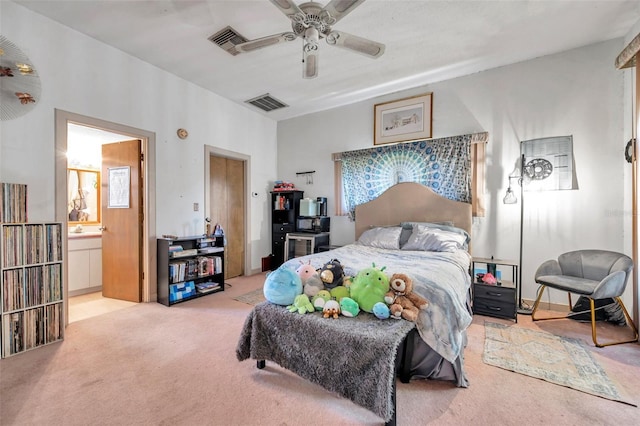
182, 133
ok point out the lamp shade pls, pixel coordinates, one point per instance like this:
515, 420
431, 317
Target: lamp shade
510, 197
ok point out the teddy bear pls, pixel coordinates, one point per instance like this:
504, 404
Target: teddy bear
402, 301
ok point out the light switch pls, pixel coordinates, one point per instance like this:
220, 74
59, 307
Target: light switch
196, 207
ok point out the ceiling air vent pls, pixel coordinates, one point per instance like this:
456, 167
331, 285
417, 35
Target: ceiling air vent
266, 103
228, 39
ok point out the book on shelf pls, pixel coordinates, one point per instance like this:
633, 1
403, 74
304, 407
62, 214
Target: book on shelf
175, 247
206, 266
184, 253
210, 249
207, 287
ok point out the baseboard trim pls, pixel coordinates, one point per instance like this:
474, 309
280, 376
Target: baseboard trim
87, 290
548, 306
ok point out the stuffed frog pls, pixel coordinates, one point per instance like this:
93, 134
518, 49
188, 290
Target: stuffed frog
349, 307
320, 299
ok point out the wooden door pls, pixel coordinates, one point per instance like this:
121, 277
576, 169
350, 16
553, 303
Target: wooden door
227, 208
122, 220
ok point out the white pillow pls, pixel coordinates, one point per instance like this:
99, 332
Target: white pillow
386, 238
424, 238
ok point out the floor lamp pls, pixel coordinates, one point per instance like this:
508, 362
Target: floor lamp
510, 198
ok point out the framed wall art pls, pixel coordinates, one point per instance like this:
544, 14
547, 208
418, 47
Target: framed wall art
119, 183
403, 120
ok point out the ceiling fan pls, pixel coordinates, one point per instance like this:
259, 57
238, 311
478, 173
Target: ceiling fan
313, 22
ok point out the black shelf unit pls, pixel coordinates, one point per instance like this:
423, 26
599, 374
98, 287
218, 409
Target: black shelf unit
499, 300
283, 221
201, 251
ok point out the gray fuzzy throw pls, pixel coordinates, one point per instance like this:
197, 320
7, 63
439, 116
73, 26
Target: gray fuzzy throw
353, 357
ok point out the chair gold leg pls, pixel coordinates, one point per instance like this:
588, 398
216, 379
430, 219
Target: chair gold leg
537, 302
630, 324
594, 336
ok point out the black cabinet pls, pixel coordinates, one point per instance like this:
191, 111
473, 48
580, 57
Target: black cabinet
189, 267
285, 208
496, 300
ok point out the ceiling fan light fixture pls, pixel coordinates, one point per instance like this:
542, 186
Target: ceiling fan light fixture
312, 36
310, 66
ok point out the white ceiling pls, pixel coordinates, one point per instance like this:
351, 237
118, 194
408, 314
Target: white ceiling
426, 41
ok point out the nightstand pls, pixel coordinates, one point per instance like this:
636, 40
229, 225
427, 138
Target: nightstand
496, 300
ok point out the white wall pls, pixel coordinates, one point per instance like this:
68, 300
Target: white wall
577, 93
83, 76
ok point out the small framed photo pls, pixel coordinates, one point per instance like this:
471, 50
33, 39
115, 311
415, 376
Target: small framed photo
403, 120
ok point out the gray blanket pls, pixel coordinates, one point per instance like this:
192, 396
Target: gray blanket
353, 357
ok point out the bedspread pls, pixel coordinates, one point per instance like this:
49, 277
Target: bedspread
440, 277
353, 357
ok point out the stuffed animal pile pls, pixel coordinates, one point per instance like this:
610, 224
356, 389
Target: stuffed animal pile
329, 291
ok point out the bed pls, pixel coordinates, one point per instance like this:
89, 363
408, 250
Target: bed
434, 349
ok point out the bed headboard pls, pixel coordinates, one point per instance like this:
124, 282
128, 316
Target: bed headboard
411, 202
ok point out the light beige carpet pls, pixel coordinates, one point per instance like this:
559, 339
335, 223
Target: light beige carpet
252, 298
555, 359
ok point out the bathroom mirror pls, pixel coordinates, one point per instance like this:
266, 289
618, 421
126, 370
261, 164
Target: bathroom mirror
83, 187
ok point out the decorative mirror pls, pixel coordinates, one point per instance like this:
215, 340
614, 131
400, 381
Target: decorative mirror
84, 196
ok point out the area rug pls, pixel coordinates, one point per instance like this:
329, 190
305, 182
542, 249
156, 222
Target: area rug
252, 298
560, 360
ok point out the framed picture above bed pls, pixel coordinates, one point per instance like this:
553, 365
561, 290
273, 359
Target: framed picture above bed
403, 120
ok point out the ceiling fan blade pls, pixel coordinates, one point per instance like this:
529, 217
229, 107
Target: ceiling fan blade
338, 9
357, 44
289, 8
259, 43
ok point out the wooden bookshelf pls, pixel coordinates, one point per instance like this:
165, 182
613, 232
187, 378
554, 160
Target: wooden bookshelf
31, 288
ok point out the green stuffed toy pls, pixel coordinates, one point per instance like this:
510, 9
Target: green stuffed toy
349, 307
339, 292
301, 304
369, 287
320, 299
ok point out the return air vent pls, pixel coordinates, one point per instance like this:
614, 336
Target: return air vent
266, 103
228, 39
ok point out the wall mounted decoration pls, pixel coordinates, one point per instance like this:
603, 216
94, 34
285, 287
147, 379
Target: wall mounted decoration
403, 120
182, 133
119, 183
548, 164
19, 81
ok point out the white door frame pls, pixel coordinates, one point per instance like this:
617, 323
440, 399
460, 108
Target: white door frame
62, 118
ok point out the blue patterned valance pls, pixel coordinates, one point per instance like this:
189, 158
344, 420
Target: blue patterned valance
443, 165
